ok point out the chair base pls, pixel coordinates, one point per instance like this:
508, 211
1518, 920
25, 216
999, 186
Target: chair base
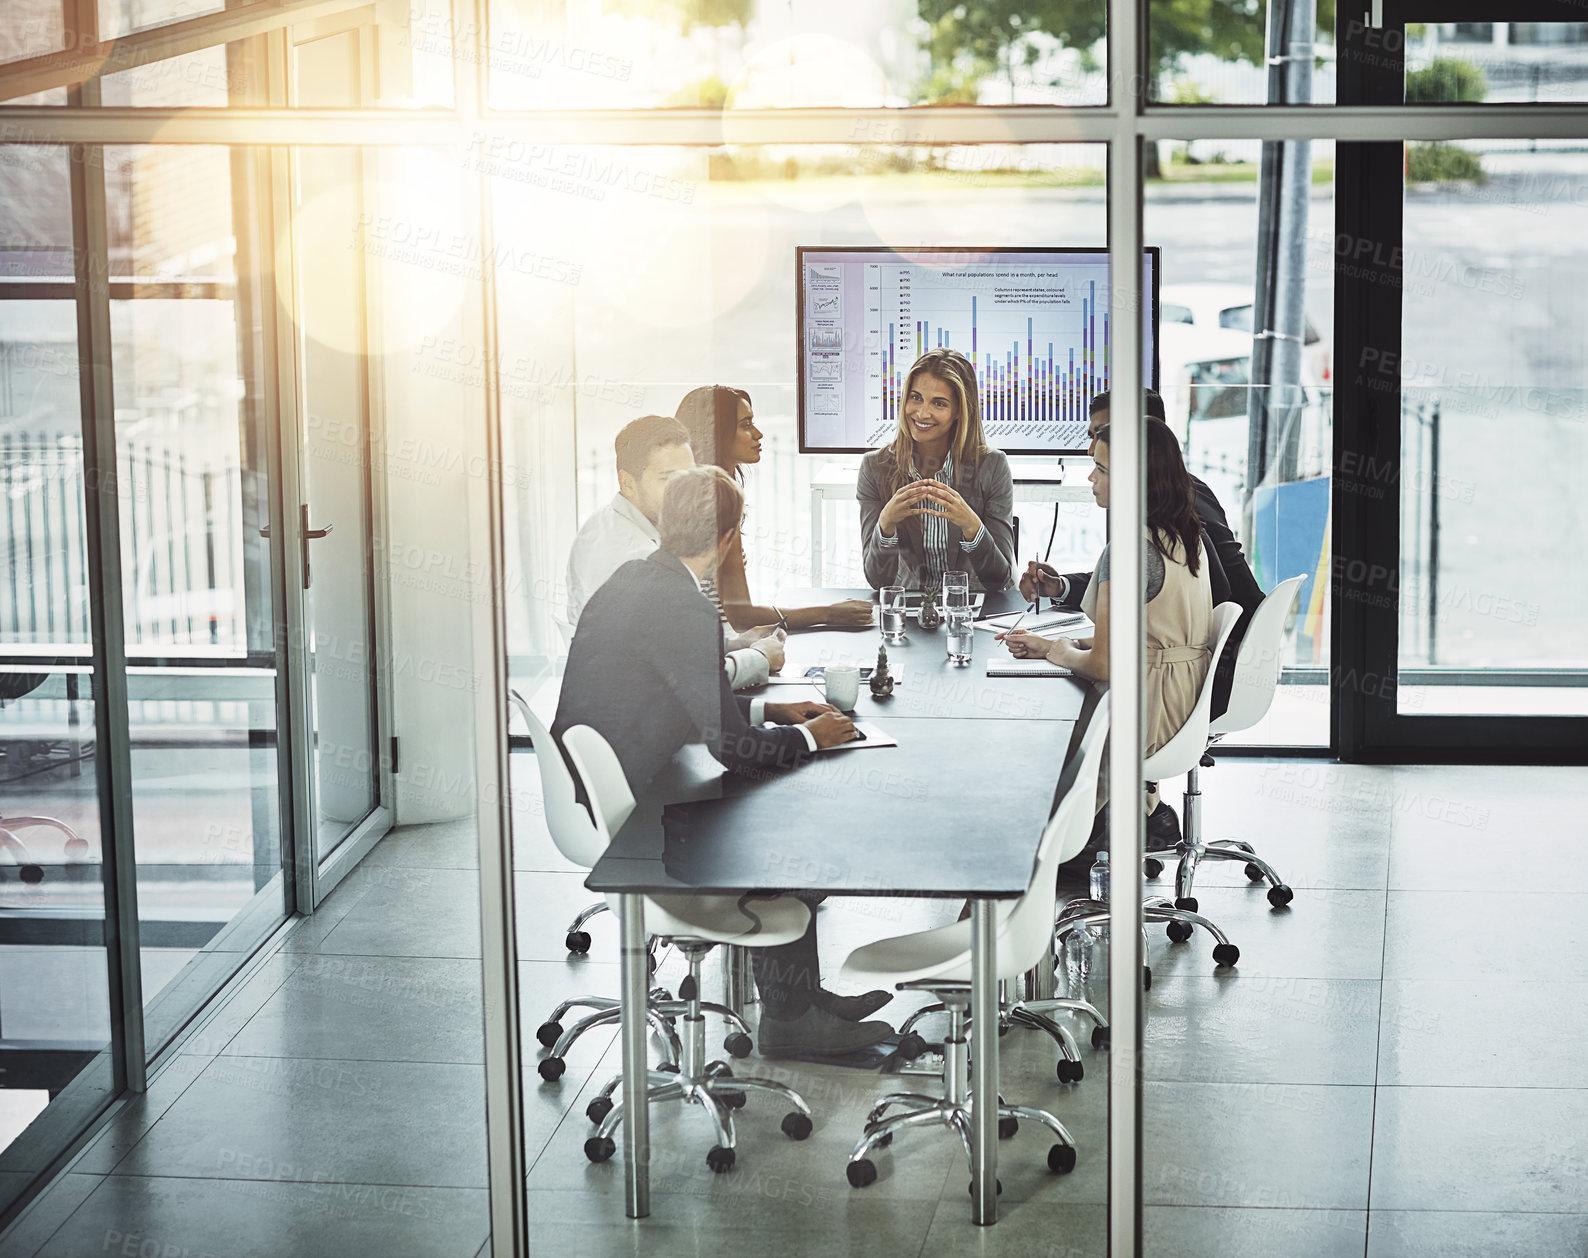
1191, 851
1181, 921
954, 1109
694, 1081
1033, 1014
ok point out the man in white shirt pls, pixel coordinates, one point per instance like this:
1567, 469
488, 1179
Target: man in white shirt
650, 452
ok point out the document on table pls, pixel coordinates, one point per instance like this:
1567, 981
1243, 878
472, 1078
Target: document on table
1012, 667
1035, 622
866, 735
816, 675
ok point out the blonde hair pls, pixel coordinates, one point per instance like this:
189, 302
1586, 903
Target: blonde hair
969, 442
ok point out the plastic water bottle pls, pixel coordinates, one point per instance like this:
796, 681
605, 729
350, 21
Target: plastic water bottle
1077, 960
1097, 880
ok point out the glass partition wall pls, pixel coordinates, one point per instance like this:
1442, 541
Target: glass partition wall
618, 253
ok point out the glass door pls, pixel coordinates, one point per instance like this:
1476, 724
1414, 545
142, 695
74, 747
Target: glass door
1458, 448
342, 615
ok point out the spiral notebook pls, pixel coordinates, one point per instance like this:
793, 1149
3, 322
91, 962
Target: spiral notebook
1025, 668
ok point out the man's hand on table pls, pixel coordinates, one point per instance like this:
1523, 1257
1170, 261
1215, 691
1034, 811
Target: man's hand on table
796, 713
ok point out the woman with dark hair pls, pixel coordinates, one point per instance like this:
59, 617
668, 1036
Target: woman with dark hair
1179, 620
938, 498
722, 433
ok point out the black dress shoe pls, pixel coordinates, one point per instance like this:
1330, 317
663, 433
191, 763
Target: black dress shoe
851, 1008
1163, 828
816, 1033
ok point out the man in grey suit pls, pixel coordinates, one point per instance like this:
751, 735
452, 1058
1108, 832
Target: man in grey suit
645, 671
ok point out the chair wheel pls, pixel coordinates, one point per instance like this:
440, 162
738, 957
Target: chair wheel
76, 849
719, 1159
731, 1098
668, 1068
1280, 896
577, 941
1179, 932
600, 1148
861, 1173
598, 1108
1007, 1126
548, 1033
911, 1046
1152, 867
971, 1188
797, 1126
883, 1143
1061, 1159
1100, 1038
1186, 902
1003, 1029
551, 1069
1070, 1071
650, 963
1146, 978
1226, 954
738, 1044
32, 874
724, 1073
1254, 873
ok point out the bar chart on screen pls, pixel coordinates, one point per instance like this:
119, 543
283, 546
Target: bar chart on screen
1035, 324
1034, 334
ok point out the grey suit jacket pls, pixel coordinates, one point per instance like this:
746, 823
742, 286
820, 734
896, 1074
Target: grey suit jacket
991, 495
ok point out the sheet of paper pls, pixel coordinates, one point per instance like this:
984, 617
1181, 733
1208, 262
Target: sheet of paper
1037, 622
873, 737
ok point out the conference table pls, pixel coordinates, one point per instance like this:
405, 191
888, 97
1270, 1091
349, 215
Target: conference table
956, 809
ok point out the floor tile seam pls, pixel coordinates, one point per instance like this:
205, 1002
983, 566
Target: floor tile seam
359, 1061
337, 1183
70, 1214
269, 996
388, 956
1469, 1087
1566, 1214
1378, 1071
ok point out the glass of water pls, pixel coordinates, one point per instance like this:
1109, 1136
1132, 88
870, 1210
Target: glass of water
956, 590
890, 600
961, 634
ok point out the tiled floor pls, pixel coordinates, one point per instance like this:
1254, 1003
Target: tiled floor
1395, 1069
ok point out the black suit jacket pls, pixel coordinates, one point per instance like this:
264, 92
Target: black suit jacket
645, 670
1229, 573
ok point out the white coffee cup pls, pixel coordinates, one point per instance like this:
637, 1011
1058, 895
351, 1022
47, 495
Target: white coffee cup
843, 686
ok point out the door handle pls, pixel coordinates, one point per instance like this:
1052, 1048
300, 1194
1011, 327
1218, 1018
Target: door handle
306, 535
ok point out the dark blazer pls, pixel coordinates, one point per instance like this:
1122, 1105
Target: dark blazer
991, 495
645, 671
1229, 573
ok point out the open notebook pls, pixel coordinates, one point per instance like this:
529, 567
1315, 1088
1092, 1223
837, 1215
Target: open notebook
1011, 667
1036, 622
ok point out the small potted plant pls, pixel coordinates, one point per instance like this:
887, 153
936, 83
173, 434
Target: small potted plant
931, 616
881, 681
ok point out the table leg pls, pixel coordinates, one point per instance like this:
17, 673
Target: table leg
634, 991
741, 979
984, 1063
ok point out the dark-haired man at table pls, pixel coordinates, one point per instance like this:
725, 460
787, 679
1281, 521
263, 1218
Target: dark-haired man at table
645, 670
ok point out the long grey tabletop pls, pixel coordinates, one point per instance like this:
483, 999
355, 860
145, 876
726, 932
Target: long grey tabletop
955, 809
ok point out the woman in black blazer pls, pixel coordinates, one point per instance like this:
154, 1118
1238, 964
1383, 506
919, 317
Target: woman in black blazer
939, 498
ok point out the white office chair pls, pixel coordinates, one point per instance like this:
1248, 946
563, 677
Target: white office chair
694, 925
939, 961
579, 839
1179, 755
1257, 667
568, 821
